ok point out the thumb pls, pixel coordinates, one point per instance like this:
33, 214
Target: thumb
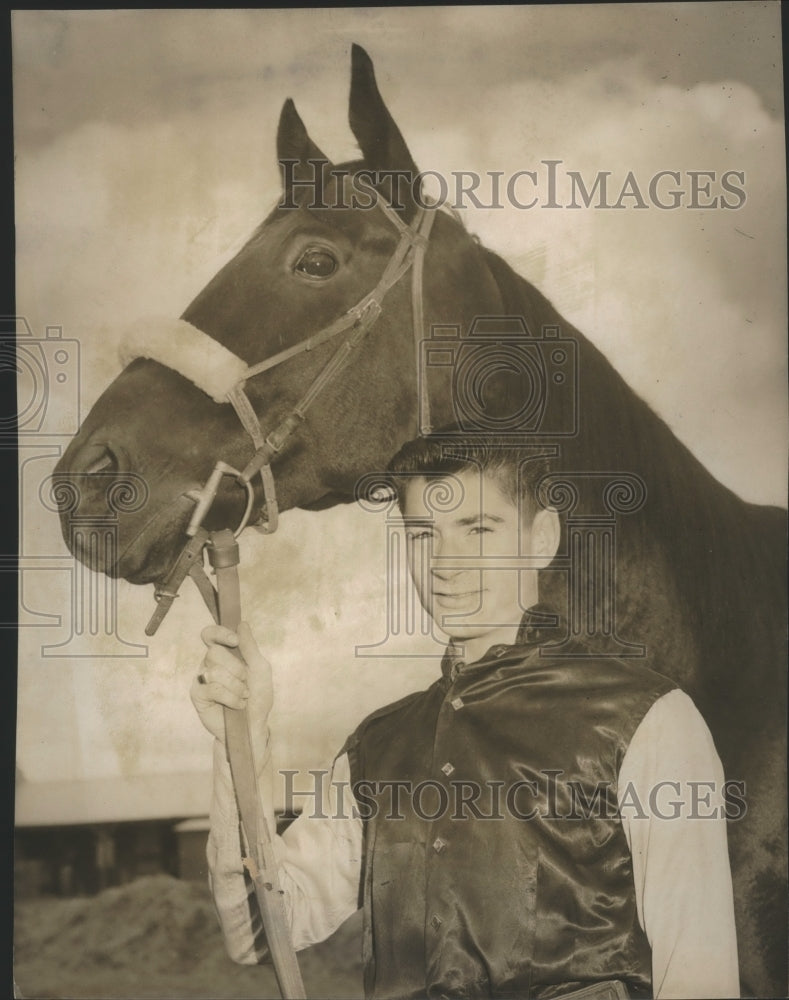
248, 647
260, 680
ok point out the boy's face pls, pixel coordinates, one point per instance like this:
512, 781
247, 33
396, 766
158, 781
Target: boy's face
460, 556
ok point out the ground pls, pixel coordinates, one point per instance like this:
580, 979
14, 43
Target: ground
157, 937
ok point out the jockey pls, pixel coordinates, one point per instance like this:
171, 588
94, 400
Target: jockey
544, 820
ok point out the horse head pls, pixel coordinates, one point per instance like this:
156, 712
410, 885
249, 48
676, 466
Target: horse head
330, 282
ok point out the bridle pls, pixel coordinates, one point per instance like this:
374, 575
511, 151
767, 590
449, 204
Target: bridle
408, 255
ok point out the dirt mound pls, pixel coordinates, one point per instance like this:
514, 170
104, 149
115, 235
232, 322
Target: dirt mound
167, 924
157, 936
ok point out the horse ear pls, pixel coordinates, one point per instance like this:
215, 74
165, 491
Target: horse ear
299, 158
379, 138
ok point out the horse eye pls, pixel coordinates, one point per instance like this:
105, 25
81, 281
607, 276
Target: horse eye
316, 263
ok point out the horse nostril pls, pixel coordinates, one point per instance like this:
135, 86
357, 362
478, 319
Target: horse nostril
96, 458
104, 463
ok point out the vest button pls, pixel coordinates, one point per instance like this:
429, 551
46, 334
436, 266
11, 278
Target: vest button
439, 845
448, 768
436, 921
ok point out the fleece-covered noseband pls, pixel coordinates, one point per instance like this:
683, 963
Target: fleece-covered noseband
188, 351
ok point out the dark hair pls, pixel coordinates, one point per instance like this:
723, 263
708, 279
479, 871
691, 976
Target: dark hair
517, 470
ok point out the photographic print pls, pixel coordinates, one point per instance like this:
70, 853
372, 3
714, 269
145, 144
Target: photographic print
443, 348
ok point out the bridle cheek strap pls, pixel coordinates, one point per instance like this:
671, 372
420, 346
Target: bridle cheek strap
409, 253
221, 374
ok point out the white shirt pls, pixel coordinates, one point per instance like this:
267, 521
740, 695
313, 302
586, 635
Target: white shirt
670, 790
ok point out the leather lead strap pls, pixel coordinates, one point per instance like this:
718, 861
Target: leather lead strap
222, 549
425, 423
205, 589
261, 861
191, 556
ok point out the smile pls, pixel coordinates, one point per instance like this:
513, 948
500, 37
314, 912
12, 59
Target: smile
453, 599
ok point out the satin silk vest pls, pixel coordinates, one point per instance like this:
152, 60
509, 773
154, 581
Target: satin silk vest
525, 890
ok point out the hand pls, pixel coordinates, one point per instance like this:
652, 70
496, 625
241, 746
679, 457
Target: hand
232, 681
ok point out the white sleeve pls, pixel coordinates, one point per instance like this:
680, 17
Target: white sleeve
670, 791
319, 858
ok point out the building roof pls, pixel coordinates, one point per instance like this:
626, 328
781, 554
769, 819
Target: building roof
113, 800
199, 825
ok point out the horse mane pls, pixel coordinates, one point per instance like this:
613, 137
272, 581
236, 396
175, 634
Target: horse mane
687, 509
625, 429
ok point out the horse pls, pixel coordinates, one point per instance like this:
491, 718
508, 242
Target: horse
700, 574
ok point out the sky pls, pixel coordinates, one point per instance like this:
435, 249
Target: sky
145, 156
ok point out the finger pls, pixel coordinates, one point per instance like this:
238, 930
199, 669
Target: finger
259, 677
219, 634
247, 645
212, 678
216, 693
221, 658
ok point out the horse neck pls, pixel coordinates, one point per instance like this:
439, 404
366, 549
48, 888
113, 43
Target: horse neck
703, 533
617, 430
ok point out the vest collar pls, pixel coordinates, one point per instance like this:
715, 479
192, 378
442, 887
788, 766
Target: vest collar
538, 625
